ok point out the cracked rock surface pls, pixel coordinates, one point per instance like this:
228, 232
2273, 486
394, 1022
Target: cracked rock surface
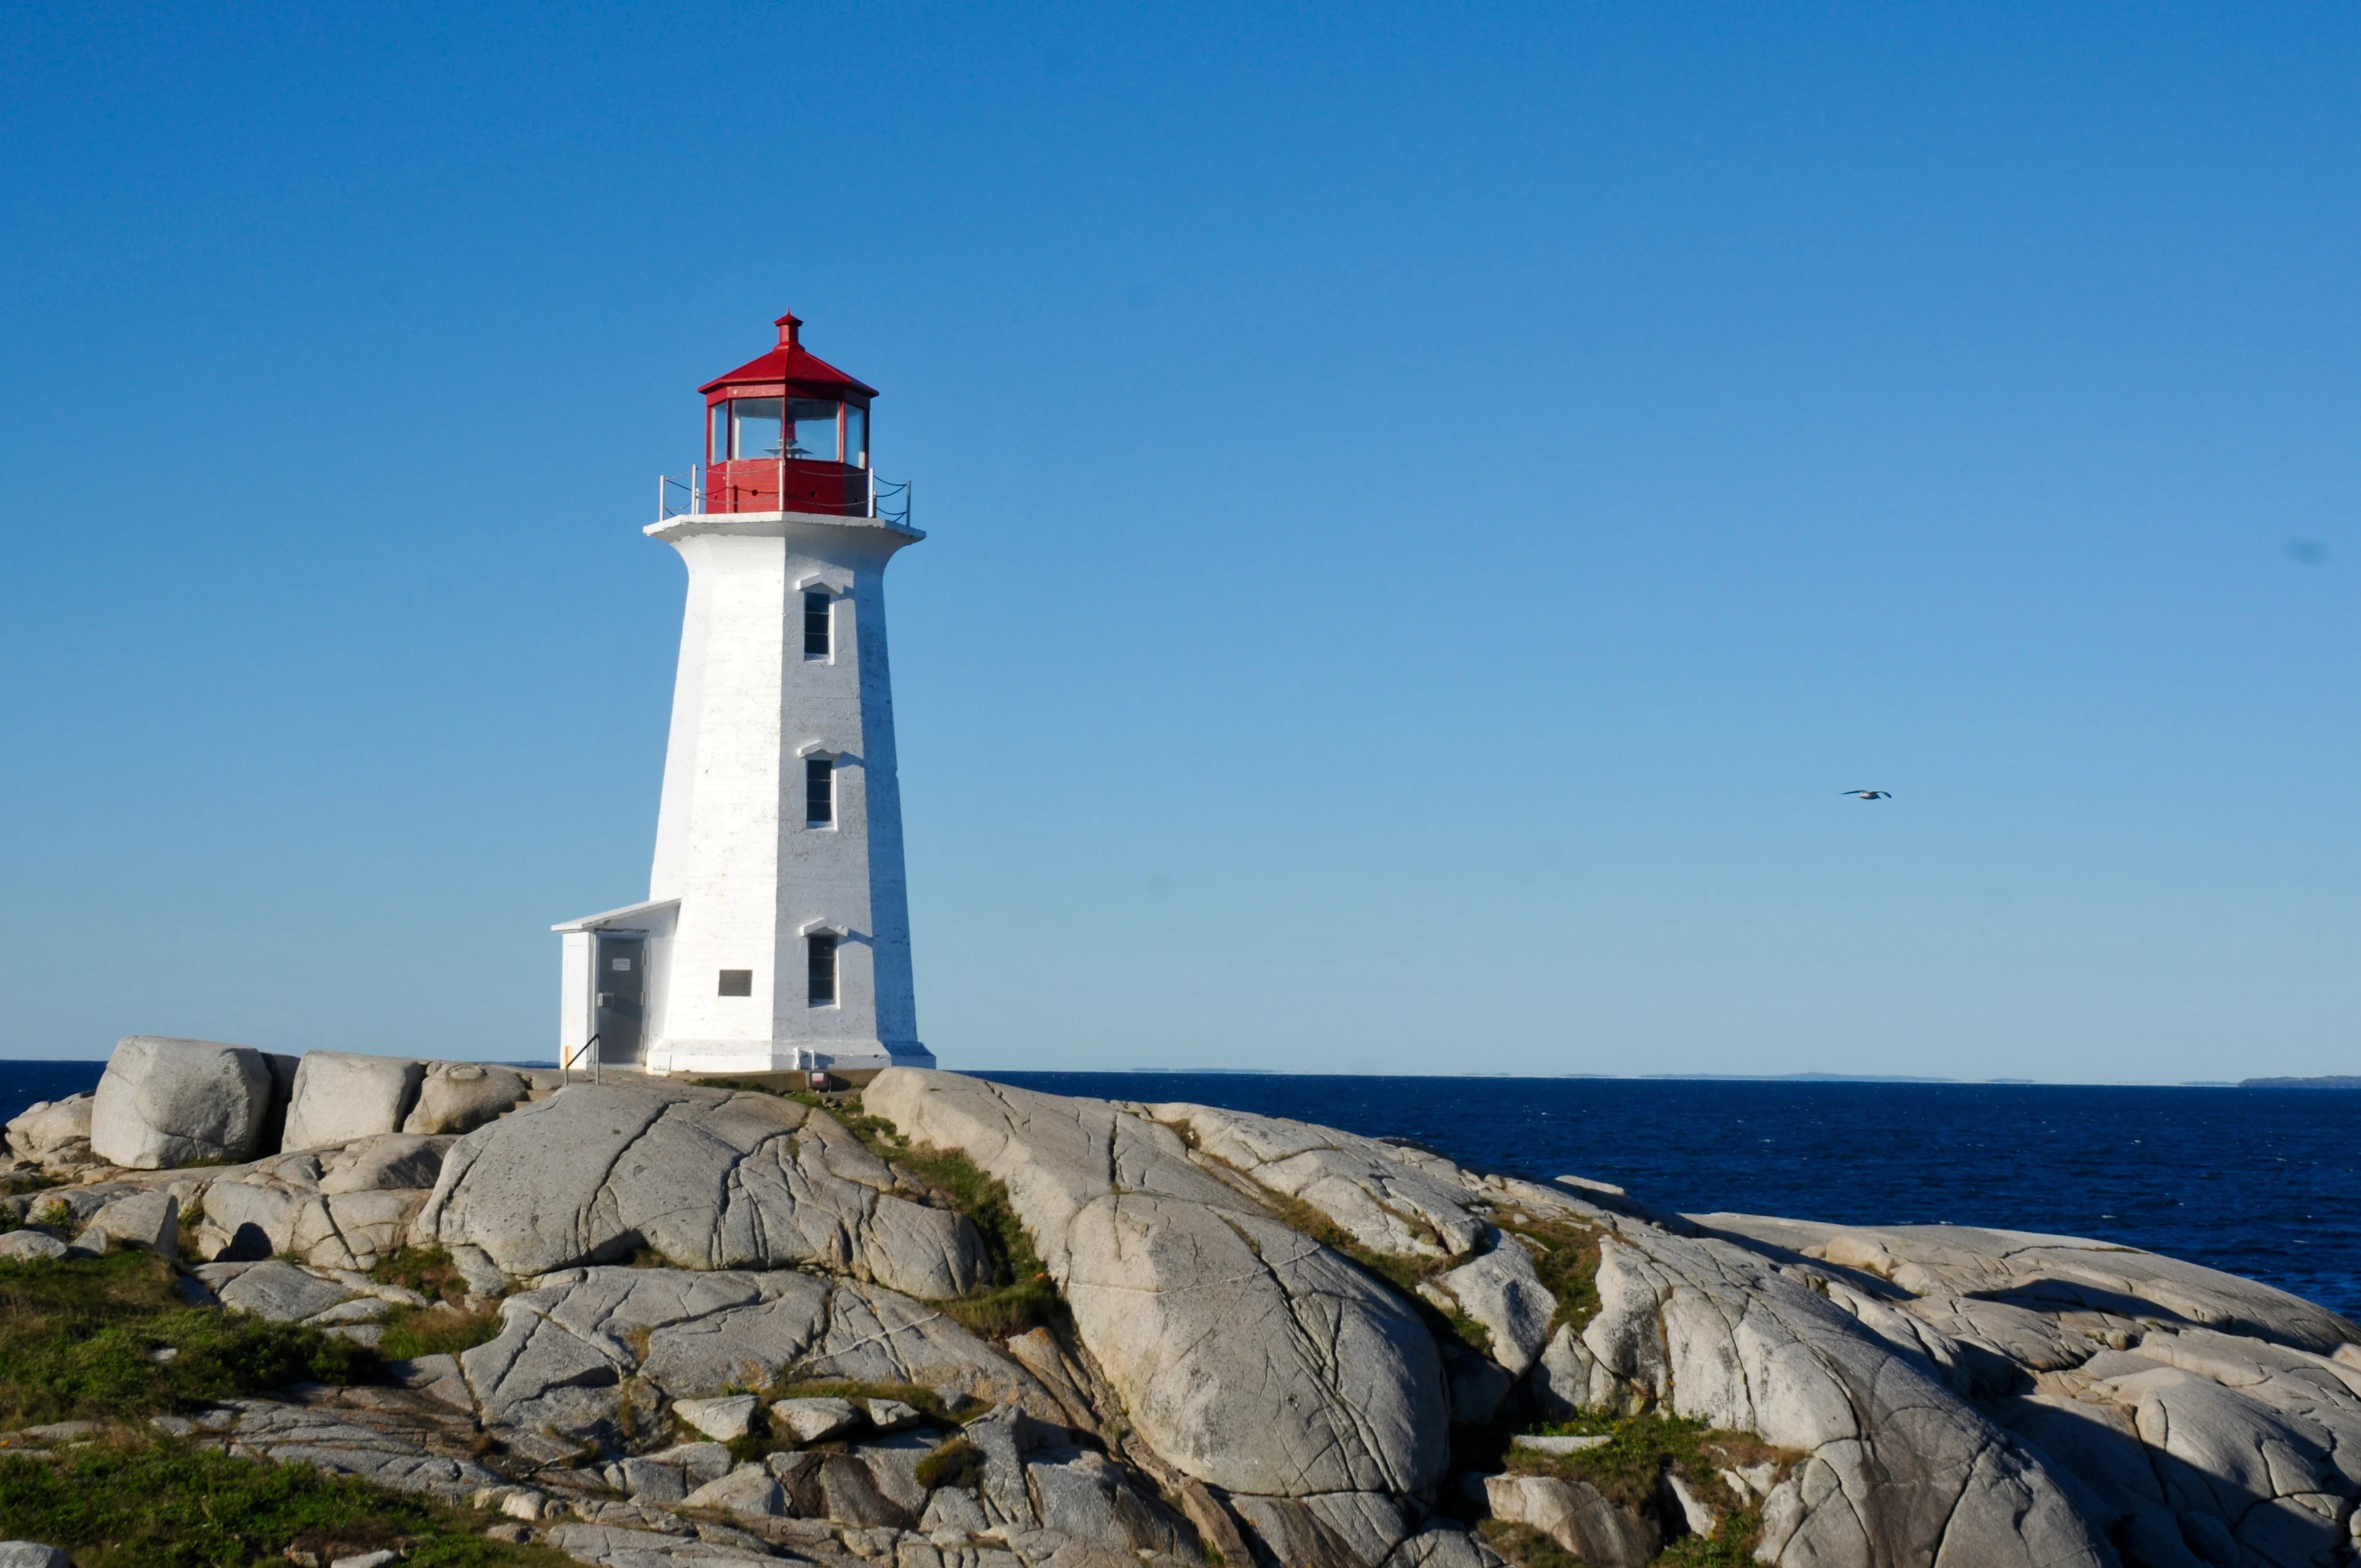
729, 1330
703, 1178
1249, 1356
2207, 1420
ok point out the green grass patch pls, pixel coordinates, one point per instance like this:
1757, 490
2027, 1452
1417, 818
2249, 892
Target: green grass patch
1730, 1546
1525, 1546
78, 1338
1020, 1294
947, 1409
1404, 1272
1629, 1471
414, 1332
928, 1401
1628, 1467
1566, 1258
958, 1462
164, 1504
427, 1270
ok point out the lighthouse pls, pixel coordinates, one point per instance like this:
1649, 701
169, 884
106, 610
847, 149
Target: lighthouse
776, 935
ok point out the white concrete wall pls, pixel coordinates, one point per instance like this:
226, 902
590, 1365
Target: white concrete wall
731, 844
576, 951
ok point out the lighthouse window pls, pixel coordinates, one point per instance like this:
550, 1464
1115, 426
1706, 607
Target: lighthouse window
754, 427
815, 627
821, 952
856, 435
816, 429
717, 450
819, 791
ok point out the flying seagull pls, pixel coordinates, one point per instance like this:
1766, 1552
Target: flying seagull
1868, 793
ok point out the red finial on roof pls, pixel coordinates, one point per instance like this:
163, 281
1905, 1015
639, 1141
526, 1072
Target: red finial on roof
790, 368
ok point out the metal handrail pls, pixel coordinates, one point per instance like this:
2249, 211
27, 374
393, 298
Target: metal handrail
566, 1064
883, 496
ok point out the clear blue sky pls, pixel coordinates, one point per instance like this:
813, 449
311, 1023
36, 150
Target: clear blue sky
1429, 505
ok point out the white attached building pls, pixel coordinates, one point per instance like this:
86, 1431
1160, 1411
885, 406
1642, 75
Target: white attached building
776, 935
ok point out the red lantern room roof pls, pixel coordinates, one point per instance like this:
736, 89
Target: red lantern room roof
790, 365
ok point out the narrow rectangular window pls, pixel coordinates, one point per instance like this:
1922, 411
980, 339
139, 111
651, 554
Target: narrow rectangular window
737, 982
822, 952
816, 628
819, 791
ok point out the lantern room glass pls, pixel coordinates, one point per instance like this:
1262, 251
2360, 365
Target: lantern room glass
753, 427
817, 430
817, 434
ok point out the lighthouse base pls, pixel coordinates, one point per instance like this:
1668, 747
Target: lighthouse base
709, 1059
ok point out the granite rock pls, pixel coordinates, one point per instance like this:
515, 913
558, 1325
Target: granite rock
54, 1133
166, 1102
341, 1096
149, 1222
706, 1180
32, 1555
459, 1097
1248, 1355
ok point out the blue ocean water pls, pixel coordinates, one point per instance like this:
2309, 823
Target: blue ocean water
2263, 1182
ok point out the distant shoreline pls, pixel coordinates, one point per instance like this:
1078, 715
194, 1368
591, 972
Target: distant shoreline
2345, 1082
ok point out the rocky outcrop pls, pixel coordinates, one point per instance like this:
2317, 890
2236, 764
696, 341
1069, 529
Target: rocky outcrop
53, 1135
1249, 1357
340, 1096
1390, 1198
348, 1207
2207, 1418
174, 1102
569, 1347
1268, 1331
1900, 1468
147, 1221
702, 1178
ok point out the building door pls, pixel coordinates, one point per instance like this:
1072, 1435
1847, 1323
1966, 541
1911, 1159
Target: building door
622, 987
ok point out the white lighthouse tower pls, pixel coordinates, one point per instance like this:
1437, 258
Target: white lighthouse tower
776, 935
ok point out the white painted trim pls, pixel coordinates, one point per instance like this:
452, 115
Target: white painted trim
606, 920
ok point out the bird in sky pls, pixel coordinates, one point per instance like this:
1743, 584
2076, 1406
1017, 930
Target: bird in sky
1868, 793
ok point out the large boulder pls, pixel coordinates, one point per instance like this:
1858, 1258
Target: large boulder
53, 1133
164, 1103
148, 1221
1249, 1356
340, 1096
460, 1096
390, 1160
704, 1178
